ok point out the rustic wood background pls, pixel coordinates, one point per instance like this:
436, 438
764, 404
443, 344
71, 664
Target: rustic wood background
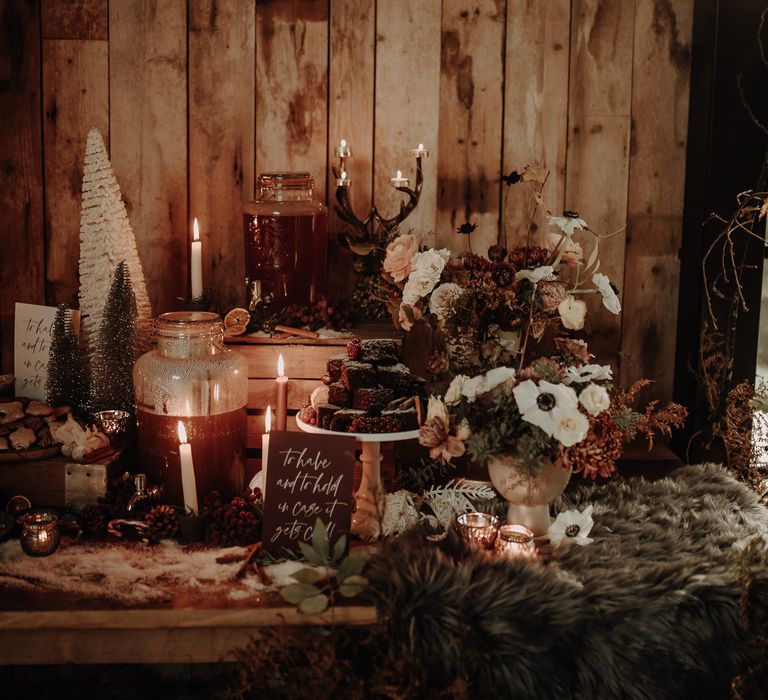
196, 96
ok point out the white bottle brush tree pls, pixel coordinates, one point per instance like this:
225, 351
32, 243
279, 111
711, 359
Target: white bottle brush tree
116, 348
106, 239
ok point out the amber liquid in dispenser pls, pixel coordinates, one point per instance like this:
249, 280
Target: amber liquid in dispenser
288, 254
217, 452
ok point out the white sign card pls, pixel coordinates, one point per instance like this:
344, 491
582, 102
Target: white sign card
33, 327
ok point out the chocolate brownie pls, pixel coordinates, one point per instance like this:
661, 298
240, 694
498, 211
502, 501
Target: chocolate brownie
334, 366
371, 398
356, 375
338, 394
408, 418
374, 424
379, 351
342, 420
396, 377
326, 411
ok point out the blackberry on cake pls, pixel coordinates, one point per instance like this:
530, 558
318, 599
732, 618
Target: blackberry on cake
308, 415
338, 394
372, 398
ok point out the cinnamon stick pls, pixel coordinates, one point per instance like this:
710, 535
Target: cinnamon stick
301, 332
255, 548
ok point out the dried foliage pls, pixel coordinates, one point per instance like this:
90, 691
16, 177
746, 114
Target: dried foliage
741, 424
653, 419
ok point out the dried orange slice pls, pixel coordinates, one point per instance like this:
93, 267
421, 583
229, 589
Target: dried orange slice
237, 317
236, 329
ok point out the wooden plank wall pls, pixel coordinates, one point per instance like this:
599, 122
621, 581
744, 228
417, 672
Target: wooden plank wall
195, 97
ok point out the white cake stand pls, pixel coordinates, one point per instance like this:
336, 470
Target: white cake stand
369, 497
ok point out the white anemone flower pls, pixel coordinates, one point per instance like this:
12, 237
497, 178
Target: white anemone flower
572, 526
544, 404
498, 375
538, 274
610, 300
567, 224
587, 373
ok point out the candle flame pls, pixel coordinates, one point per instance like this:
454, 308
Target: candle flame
195, 231
343, 174
182, 433
399, 175
421, 147
280, 366
343, 142
268, 420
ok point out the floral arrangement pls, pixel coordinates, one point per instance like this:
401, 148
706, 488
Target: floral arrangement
550, 411
484, 310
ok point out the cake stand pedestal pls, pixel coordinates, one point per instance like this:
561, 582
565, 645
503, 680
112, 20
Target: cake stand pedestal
369, 498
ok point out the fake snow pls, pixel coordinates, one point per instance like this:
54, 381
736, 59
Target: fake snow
135, 574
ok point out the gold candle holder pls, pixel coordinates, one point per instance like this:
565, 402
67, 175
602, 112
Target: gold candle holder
515, 542
40, 534
479, 529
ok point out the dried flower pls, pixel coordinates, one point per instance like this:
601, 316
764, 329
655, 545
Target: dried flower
608, 292
511, 179
466, 229
407, 315
444, 300
572, 252
575, 348
551, 295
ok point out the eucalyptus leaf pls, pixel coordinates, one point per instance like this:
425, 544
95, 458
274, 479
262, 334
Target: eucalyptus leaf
320, 542
314, 605
297, 592
339, 548
352, 566
353, 586
310, 554
309, 575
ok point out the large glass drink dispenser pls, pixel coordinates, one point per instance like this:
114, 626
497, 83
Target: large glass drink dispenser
286, 241
193, 379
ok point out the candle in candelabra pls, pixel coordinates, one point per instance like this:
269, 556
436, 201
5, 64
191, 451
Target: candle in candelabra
342, 150
343, 181
188, 485
281, 414
420, 152
196, 264
399, 180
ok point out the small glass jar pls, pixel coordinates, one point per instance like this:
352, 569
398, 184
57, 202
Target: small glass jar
478, 529
192, 378
286, 241
40, 534
515, 542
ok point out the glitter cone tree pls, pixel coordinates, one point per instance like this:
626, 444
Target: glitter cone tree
106, 238
67, 382
116, 348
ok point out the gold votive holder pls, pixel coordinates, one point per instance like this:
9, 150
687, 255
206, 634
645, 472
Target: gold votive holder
515, 542
478, 529
40, 534
115, 425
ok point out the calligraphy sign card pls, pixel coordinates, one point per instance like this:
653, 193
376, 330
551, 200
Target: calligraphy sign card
32, 343
306, 477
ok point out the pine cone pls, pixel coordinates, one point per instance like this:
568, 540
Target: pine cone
237, 523
164, 521
93, 520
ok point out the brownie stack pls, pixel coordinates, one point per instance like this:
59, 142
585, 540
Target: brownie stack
370, 390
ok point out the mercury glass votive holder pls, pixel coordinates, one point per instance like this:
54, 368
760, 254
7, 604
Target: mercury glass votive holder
115, 425
479, 529
40, 534
515, 542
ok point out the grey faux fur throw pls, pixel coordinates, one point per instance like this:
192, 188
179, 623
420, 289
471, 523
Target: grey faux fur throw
650, 609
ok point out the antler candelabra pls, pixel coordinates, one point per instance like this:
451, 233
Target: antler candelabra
375, 228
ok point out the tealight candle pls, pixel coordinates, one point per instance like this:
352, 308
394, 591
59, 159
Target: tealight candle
188, 485
281, 413
478, 528
343, 181
515, 542
265, 447
343, 150
40, 535
196, 264
399, 180
420, 152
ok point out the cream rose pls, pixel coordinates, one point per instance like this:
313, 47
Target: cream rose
572, 312
569, 426
595, 399
399, 257
442, 303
